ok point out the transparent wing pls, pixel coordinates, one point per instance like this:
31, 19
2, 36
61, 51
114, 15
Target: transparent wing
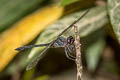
60, 42
34, 62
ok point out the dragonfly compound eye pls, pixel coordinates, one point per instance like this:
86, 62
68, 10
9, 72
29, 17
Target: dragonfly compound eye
70, 40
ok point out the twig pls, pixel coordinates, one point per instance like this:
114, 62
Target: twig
78, 53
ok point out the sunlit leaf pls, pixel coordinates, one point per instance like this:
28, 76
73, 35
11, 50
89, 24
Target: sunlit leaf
113, 7
25, 31
87, 25
66, 2
28, 74
44, 77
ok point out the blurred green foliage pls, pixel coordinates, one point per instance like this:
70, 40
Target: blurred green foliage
66, 2
113, 8
12, 10
95, 20
28, 75
44, 77
93, 54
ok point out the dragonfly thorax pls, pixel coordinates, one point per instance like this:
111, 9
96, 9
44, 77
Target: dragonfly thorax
62, 42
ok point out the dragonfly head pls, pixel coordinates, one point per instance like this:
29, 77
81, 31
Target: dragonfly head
70, 40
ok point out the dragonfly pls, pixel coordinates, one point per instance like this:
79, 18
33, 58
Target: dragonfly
60, 41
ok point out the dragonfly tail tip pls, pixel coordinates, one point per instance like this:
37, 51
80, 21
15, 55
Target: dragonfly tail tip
19, 49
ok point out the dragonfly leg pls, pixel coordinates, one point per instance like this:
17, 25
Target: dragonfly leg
70, 50
68, 55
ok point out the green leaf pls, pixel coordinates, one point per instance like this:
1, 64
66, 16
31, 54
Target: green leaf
113, 7
44, 77
93, 54
66, 2
87, 25
11, 69
12, 10
28, 74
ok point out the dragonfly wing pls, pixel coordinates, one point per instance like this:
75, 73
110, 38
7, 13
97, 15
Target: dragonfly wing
60, 42
34, 62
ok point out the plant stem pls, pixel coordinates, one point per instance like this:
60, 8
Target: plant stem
78, 53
